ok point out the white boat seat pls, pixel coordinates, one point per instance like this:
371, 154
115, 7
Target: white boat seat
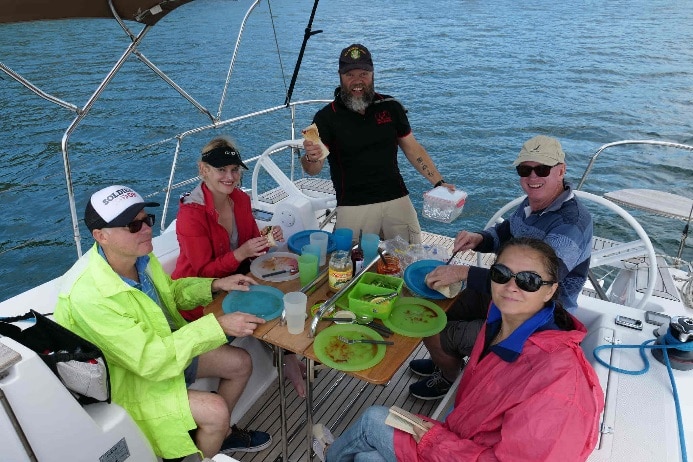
656, 202
30, 389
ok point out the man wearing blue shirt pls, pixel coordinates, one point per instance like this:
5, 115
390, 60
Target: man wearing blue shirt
550, 212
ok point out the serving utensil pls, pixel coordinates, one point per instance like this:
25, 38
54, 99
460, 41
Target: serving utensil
351, 341
382, 255
362, 320
338, 319
453, 256
381, 298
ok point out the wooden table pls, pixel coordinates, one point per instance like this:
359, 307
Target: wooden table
276, 334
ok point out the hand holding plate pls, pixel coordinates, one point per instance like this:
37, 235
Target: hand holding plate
239, 324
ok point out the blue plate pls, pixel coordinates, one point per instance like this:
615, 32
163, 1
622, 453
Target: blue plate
415, 278
301, 238
263, 301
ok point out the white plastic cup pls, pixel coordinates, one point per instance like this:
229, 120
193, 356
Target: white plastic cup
320, 239
295, 307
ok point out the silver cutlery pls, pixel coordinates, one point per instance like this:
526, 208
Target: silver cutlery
351, 341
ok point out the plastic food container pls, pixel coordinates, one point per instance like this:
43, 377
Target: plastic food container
391, 266
373, 284
391, 283
443, 205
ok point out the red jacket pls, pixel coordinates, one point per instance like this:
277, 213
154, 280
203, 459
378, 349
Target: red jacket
545, 406
205, 249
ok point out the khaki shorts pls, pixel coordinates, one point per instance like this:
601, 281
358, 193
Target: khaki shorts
387, 219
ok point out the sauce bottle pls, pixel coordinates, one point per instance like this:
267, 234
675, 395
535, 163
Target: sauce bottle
357, 256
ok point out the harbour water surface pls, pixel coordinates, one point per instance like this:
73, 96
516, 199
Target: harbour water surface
478, 79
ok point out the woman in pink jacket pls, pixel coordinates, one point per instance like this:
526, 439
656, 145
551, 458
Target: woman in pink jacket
527, 393
217, 232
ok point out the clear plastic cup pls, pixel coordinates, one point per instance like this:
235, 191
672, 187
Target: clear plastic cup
320, 239
369, 244
295, 308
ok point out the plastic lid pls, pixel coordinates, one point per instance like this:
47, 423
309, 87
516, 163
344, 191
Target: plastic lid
441, 192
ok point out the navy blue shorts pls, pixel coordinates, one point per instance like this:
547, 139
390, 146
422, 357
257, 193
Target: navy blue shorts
191, 372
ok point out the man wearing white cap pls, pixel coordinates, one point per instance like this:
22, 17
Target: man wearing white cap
118, 297
550, 212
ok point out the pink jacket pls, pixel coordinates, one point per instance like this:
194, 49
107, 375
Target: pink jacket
545, 406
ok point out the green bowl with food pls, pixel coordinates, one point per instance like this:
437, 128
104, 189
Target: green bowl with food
368, 299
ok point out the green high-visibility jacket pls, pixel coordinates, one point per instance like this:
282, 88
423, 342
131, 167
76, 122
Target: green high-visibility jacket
145, 359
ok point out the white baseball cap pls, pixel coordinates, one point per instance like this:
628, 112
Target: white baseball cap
113, 207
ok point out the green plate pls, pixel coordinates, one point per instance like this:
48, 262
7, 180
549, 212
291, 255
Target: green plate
416, 317
341, 356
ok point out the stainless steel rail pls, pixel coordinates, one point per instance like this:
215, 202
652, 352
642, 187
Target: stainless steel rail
328, 305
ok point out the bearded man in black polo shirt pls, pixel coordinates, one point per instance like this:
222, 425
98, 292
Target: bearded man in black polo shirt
362, 130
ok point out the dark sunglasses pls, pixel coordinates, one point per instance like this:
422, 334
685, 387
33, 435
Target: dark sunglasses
529, 281
541, 170
135, 225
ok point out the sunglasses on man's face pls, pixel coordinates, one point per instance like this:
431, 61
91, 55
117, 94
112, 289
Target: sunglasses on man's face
136, 225
541, 170
529, 281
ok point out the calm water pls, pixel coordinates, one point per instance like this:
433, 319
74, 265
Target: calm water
478, 78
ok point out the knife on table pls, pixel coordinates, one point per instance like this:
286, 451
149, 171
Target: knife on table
384, 330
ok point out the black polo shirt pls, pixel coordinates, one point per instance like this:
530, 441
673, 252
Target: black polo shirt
363, 149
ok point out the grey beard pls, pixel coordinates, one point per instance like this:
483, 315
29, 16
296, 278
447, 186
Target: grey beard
357, 104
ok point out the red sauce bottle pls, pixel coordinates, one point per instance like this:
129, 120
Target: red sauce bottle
357, 260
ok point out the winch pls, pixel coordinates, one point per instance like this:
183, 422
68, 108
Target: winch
678, 332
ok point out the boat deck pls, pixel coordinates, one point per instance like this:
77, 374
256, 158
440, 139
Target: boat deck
338, 400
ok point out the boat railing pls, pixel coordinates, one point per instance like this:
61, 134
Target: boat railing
627, 142
181, 137
132, 50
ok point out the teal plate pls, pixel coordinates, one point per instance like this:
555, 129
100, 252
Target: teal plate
263, 301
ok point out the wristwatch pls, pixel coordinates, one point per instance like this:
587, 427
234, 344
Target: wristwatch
440, 183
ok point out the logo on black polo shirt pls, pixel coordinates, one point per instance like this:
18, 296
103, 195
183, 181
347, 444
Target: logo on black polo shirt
383, 117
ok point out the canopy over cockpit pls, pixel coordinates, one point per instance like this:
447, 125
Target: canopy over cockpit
143, 11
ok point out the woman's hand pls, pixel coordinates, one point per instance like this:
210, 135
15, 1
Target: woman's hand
251, 248
234, 282
418, 433
277, 233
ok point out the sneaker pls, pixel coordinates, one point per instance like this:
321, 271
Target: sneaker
322, 438
242, 440
423, 367
433, 387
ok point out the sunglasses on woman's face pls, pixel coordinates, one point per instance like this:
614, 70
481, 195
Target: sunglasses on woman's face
529, 281
541, 170
135, 225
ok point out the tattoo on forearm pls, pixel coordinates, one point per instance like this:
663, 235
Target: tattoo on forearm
425, 168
